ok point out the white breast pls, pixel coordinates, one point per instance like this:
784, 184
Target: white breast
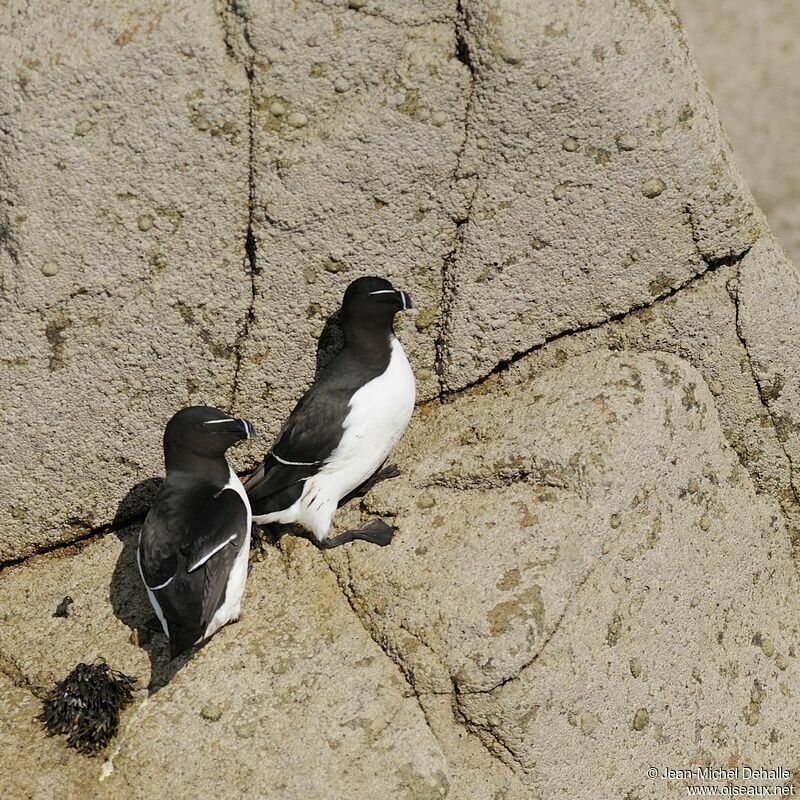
231, 606
379, 413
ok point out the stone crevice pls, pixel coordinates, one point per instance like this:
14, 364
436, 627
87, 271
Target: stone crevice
467, 483
12, 671
498, 749
459, 718
347, 591
567, 607
247, 60
68, 547
447, 395
358, 7
463, 54
712, 265
733, 291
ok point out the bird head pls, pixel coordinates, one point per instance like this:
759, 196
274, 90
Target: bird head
373, 300
204, 432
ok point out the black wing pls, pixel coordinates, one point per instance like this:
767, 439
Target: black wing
187, 549
309, 436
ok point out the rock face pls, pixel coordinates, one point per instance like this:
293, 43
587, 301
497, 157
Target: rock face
124, 173
584, 574
598, 498
297, 678
357, 123
587, 201
605, 578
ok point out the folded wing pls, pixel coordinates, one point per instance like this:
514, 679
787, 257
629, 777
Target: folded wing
308, 438
186, 556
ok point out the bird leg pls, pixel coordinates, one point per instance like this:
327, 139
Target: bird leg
384, 474
375, 531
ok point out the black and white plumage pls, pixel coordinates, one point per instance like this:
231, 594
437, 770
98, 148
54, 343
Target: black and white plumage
194, 544
344, 427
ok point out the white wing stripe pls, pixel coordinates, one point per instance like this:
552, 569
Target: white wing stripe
161, 585
294, 463
206, 556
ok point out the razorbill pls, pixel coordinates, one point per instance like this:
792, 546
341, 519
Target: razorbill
194, 544
343, 428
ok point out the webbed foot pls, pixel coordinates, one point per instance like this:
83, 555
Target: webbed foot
376, 531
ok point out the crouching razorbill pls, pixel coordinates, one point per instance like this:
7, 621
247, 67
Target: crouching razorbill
343, 428
194, 544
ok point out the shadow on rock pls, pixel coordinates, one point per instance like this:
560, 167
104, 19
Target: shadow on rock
128, 596
137, 501
330, 343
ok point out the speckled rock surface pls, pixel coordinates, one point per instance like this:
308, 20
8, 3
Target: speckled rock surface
294, 697
584, 574
123, 164
182, 229
587, 201
588, 548
58, 773
599, 499
362, 186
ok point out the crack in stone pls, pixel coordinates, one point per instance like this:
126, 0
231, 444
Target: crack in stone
462, 53
450, 394
462, 715
732, 287
359, 10
89, 534
12, 671
471, 482
8, 239
477, 728
251, 265
712, 265
567, 606
346, 587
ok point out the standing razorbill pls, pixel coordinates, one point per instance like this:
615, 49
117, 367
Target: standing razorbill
194, 544
344, 426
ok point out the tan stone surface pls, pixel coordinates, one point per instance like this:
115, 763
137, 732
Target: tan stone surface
562, 529
574, 547
213, 196
602, 180
293, 698
594, 561
123, 165
358, 120
34, 767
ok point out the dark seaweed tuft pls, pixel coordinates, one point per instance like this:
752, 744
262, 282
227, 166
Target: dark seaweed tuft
85, 706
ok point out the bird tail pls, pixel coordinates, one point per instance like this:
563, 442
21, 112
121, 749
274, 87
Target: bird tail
275, 486
252, 482
182, 638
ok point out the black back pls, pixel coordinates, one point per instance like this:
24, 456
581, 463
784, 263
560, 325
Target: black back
188, 521
311, 433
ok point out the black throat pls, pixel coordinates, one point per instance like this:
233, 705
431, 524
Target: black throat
214, 471
369, 339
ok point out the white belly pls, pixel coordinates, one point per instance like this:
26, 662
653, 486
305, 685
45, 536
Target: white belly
234, 592
379, 413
